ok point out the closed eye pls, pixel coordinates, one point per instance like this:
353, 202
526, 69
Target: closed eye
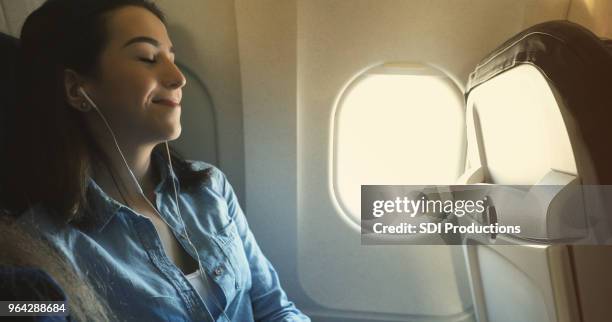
147, 60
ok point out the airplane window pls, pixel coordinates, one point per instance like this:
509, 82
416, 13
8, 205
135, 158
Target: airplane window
396, 127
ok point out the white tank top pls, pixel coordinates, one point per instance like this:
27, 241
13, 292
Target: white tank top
195, 279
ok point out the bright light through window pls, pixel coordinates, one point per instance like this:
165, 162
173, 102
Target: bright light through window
396, 129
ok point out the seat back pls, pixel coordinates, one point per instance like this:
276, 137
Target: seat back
538, 114
516, 131
12, 17
540, 103
8, 60
538, 110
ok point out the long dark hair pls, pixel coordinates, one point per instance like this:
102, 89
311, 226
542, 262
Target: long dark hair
51, 150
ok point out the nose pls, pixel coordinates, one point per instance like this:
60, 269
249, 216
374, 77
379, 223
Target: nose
173, 77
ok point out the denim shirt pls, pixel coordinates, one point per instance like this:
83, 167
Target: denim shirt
121, 253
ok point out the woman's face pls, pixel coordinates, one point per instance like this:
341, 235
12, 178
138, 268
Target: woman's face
138, 86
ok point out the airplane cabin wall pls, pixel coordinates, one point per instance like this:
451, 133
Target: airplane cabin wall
268, 61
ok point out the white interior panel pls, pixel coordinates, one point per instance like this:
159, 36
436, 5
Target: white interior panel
267, 42
3, 24
510, 294
14, 13
522, 283
198, 140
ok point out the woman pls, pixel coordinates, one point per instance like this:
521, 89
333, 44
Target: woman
161, 238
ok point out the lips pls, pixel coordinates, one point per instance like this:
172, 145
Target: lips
167, 102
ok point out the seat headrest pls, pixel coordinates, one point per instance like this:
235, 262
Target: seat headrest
9, 47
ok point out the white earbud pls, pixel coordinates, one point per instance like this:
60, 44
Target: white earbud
84, 107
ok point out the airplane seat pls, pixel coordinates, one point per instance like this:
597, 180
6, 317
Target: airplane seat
8, 57
43, 287
576, 65
538, 113
13, 15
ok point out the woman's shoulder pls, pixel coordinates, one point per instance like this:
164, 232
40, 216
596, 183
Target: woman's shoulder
197, 165
217, 182
40, 223
216, 179
38, 218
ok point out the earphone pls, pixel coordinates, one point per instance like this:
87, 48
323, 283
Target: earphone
195, 250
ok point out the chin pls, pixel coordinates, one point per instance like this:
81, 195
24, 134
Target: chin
169, 133
174, 134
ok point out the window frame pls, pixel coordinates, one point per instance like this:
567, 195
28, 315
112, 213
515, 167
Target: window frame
390, 68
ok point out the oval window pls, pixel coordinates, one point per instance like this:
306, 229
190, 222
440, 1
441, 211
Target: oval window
396, 124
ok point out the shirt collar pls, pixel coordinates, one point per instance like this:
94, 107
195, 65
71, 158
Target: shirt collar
102, 208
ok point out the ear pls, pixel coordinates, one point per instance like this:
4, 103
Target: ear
72, 82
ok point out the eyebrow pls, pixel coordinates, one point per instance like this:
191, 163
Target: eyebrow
147, 40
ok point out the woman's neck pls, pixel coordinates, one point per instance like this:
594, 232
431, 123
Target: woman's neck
115, 179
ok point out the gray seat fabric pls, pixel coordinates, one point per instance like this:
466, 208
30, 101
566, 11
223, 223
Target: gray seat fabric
12, 16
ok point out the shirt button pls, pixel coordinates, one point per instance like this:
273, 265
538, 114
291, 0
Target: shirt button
218, 271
